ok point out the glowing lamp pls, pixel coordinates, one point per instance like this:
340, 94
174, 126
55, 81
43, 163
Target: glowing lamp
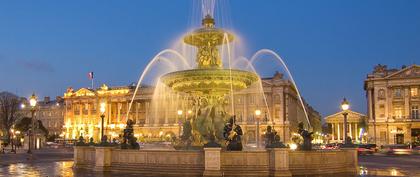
257, 112
179, 112
345, 105
102, 108
32, 100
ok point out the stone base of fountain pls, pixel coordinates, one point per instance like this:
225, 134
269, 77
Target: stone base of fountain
216, 162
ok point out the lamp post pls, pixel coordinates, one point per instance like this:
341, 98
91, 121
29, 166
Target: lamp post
345, 106
257, 115
32, 103
179, 122
102, 109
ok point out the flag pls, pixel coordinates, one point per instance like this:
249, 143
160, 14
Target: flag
90, 75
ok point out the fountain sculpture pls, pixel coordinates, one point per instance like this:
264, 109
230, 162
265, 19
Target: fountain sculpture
208, 85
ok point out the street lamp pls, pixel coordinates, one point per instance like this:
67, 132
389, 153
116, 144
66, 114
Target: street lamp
102, 109
32, 103
179, 122
345, 106
257, 115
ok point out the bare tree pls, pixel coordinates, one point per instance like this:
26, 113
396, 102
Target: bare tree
9, 112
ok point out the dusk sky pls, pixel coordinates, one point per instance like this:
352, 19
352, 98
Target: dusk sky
329, 45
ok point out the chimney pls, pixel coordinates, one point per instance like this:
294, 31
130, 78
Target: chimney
47, 99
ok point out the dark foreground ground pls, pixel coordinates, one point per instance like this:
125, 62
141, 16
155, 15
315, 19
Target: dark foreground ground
57, 163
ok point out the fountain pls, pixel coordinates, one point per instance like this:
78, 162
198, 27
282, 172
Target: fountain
203, 93
208, 85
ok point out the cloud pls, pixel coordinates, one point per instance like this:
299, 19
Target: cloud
36, 65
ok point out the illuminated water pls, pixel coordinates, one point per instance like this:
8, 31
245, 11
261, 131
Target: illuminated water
65, 169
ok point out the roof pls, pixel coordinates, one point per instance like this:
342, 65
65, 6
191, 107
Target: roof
349, 111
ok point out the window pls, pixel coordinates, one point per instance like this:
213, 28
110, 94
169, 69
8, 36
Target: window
251, 99
415, 112
381, 94
398, 112
397, 92
381, 110
414, 92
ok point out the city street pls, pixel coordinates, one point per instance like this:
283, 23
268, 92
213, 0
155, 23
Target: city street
384, 165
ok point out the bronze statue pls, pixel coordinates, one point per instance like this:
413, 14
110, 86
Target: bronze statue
272, 139
232, 134
129, 141
307, 138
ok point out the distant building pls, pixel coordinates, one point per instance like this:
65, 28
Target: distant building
356, 126
50, 113
393, 104
82, 116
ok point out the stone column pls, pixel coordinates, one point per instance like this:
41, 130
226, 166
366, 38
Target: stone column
357, 131
279, 162
333, 131
338, 132
212, 161
103, 158
351, 132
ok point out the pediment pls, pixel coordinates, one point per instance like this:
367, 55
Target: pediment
409, 72
84, 92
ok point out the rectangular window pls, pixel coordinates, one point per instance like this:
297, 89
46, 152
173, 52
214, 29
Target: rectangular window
397, 93
415, 112
414, 92
398, 112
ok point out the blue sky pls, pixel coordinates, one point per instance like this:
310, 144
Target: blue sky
330, 46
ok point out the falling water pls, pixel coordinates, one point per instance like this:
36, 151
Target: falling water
149, 65
267, 51
207, 8
260, 85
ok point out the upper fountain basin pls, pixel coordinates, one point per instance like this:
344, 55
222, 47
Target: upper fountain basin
209, 81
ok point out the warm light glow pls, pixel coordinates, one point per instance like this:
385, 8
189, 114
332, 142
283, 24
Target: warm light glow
121, 126
189, 111
17, 132
102, 108
32, 100
293, 146
179, 112
257, 112
160, 133
22, 106
345, 105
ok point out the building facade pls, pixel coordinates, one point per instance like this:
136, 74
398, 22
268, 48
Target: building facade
356, 127
49, 112
393, 104
281, 109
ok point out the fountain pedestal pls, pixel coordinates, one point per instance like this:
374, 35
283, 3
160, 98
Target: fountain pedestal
103, 158
279, 162
212, 162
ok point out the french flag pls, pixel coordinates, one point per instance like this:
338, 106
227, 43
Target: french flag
90, 75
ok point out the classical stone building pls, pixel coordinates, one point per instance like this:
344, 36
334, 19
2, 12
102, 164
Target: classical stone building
49, 112
393, 104
356, 126
281, 109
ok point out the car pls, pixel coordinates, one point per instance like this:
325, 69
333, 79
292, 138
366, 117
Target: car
397, 149
330, 146
365, 149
